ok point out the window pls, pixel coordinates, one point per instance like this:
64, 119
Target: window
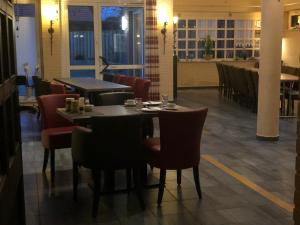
81, 35
123, 35
231, 38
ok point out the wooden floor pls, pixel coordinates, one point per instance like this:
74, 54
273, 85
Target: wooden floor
228, 139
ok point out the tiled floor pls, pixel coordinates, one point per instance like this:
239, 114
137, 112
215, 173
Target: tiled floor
229, 137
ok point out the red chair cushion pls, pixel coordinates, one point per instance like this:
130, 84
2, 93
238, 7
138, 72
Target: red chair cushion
59, 137
152, 146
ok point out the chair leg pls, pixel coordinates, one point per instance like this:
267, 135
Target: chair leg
96, 192
178, 177
52, 160
162, 181
128, 179
46, 157
75, 180
138, 186
197, 181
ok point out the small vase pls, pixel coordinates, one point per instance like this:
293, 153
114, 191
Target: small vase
29, 92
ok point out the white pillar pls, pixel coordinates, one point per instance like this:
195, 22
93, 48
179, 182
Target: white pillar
269, 71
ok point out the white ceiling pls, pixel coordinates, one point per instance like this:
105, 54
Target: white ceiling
227, 5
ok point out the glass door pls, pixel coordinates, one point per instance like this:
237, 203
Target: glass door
113, 32
122, 33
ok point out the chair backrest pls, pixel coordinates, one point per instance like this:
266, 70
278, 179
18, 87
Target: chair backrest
141, 89
252, 92
122, 79
180, 136
130, 80
57, 89
21, 80
108, 77
232, 78
226, 75
113, 98
48, 105
220, 73
116, 78
241, 80
255, 78
42, 87
116, 143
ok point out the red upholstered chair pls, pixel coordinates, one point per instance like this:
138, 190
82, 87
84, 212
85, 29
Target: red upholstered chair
178, 146
116, 79
122, 79
56, 131
130, 81
141, 89
57, 89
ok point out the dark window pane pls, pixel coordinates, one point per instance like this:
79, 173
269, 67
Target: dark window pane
230, 43
182, 24
81, 35
83, 73
192, 44
244, 54
192, 34
256, 53
24, 10
201, 54
201, 44
123, 35
230, 33
221, 23
181, 34
181, 44
229, 54
230, 23
181, 54
220, 54
192, 24
221, 44
221, 34
191, 54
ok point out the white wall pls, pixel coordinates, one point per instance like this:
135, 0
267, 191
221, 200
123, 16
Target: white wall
26, 52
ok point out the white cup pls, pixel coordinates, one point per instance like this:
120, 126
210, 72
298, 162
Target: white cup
171, 105
130, 102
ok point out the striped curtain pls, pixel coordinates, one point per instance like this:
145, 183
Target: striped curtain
151, 50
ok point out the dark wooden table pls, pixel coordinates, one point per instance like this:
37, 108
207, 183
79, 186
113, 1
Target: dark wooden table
287, 81
112, 110
89, 87
83, 119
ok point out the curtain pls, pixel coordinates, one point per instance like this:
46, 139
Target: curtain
151, 50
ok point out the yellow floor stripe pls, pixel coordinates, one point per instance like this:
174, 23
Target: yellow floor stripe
276, 200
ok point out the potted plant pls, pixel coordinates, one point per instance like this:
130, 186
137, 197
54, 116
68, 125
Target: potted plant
208, 45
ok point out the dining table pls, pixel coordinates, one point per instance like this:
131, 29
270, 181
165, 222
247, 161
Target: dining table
89, 87
148, 111
287, 82
84, 118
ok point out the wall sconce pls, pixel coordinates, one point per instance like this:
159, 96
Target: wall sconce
163, 18
175, 21
164, 33
50, 13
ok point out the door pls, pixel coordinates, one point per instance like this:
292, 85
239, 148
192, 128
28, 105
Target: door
114, 32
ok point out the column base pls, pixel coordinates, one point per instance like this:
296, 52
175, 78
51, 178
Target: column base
262, 138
